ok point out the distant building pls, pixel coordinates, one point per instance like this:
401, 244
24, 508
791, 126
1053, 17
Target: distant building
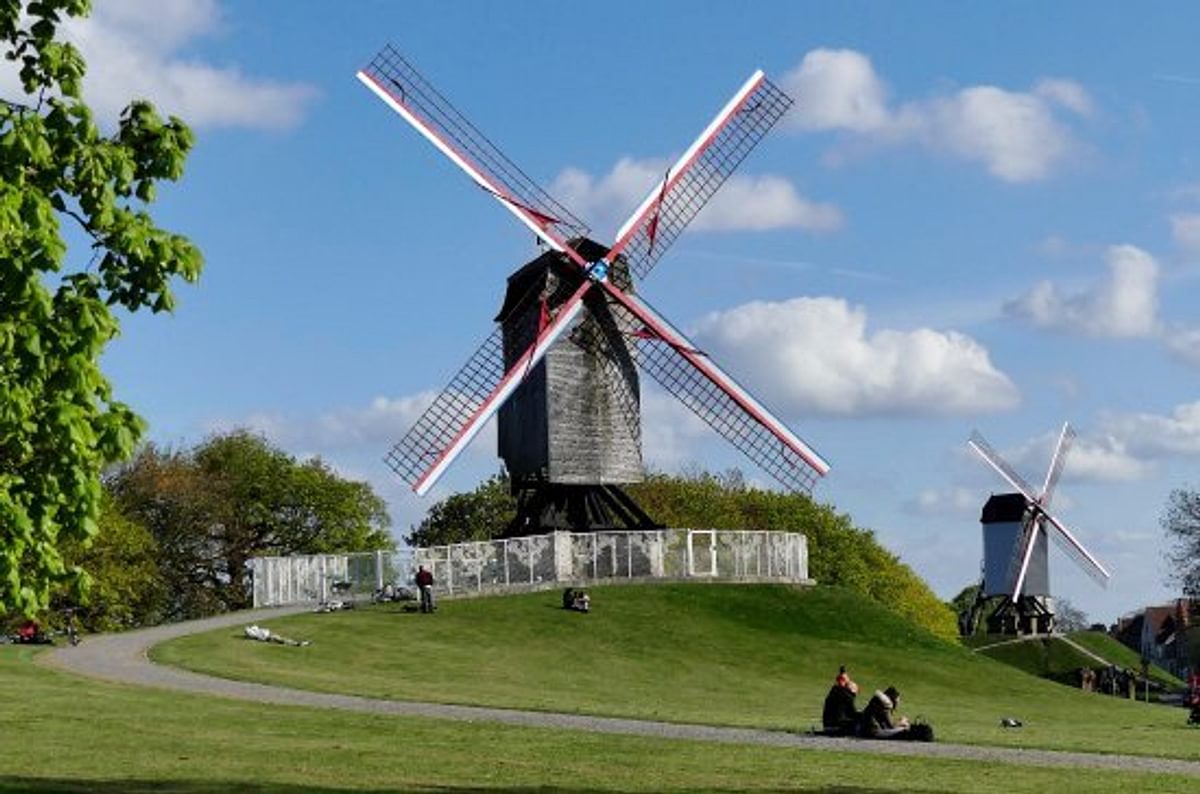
1167, 635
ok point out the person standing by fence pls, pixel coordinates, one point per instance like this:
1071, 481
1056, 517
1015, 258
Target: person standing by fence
424, 581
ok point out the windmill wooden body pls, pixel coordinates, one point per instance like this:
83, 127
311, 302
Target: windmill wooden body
1014, 594
562, 367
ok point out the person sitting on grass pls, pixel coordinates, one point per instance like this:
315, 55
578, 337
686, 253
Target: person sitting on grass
576, 600
840, 717
878, 720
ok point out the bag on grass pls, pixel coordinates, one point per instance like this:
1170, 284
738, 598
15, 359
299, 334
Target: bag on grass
920, 732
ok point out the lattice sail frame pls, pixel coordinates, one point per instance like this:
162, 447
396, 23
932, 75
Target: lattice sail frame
688, 185
479, 388
393, 78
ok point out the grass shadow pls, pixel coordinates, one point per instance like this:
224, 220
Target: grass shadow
39, 785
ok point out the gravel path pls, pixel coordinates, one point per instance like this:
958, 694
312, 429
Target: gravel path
122, 658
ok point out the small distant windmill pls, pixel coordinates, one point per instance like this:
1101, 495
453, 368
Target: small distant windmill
1015, 560
561, 368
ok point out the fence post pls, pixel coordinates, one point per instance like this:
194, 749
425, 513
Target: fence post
506, 562
563, 568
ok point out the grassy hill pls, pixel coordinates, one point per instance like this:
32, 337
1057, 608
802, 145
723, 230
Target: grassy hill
1047, 657
756, 655
1052, 658
1122, 655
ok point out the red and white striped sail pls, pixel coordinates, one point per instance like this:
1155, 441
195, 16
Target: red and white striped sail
404, 90
703, 167
686, 372
479, 389
473, 396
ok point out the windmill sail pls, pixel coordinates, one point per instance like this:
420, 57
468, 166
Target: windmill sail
1065, 439
688, 185
1039, 519
990, 456
688, 374
401, 87
473, 396
479, 389
1063, 538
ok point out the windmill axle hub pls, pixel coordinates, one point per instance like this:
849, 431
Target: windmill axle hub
598, 270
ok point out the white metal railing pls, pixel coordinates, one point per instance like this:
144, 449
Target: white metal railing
538, 561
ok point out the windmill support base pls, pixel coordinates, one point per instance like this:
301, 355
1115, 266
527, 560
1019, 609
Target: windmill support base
1026, 615
547, 507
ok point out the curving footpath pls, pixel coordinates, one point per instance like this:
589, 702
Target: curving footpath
122, 658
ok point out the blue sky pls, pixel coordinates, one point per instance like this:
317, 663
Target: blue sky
977, 215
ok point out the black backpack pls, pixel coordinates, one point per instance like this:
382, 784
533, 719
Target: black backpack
919, 732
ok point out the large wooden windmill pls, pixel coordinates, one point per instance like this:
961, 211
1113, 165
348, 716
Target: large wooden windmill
561, 367
1016, 566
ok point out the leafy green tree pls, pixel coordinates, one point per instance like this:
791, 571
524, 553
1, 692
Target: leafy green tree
962, 605
475, 515
127, 589
165, 492
60, 423
234, 497
1181, 523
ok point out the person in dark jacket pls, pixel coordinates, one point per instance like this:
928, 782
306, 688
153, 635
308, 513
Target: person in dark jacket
879, 719
840, 717
424, 582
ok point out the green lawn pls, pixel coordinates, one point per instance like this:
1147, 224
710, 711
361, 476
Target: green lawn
65, 733
754, 655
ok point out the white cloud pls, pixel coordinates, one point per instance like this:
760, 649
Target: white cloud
814, 355
1185, 344
671, 434
1017, 136
955, 499
133, 50
762, 203
608, 200
1154, 435
837, 90
1105, 458
1124, 306
1093, 457
744, 203
1067, 93
1185, 231
380, 423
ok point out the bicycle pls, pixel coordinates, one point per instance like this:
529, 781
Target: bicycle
69, 623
